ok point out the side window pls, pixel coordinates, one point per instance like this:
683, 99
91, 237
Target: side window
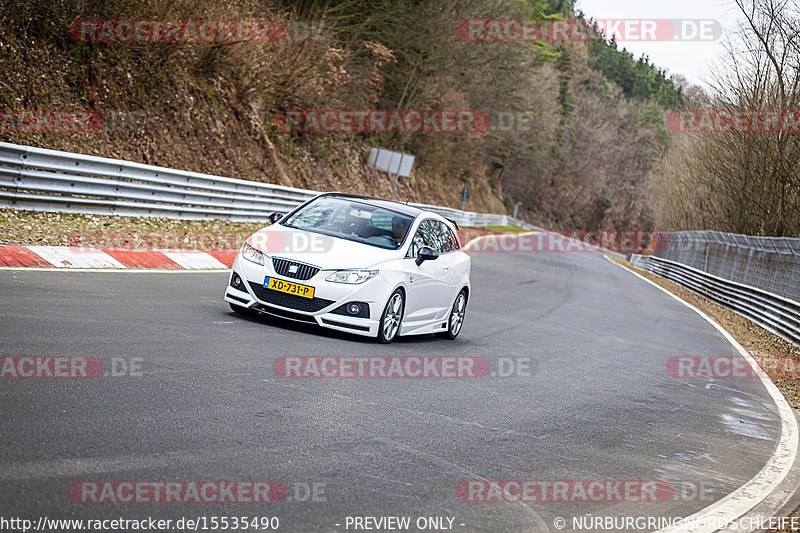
451, 237
427, 235
416, 244
446, 238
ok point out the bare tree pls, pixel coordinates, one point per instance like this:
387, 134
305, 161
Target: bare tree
745, 180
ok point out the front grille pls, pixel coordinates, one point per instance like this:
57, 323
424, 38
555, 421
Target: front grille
292, 301
304, 271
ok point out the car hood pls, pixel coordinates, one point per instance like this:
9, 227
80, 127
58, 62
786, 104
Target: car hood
323, 251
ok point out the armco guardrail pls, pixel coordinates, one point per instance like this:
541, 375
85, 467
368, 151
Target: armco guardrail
48, 180
774, 313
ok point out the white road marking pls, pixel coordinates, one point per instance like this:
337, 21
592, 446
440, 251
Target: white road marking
748, 496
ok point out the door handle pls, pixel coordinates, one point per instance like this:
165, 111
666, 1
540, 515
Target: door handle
446, 268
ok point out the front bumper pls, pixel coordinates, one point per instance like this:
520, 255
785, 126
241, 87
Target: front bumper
318, 310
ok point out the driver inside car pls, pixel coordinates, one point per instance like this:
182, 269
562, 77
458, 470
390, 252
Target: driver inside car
399, 228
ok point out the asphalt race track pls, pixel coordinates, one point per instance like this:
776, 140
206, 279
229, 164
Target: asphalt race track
598, 403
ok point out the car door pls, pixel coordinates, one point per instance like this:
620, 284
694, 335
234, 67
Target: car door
427, 295
454, 263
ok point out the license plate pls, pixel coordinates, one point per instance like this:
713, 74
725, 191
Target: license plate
289, 287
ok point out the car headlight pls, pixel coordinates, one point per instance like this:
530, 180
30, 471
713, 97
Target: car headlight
352, 277
251, 254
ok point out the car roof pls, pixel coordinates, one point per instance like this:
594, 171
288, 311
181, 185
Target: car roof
380, 202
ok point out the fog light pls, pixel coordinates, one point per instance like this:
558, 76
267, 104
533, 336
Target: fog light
236, 281
353, 309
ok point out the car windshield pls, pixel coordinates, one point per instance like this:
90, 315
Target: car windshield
352, 220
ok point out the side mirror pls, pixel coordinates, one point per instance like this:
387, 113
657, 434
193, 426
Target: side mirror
426, 254
274, 217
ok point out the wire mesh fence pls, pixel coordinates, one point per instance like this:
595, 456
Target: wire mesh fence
771, 264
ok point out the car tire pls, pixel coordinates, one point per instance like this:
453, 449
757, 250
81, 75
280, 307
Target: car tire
456, 319
395, 307
244, 311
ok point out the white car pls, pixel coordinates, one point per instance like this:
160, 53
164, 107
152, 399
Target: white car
357, 264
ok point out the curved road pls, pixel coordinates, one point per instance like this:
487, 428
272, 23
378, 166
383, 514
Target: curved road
597, 405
